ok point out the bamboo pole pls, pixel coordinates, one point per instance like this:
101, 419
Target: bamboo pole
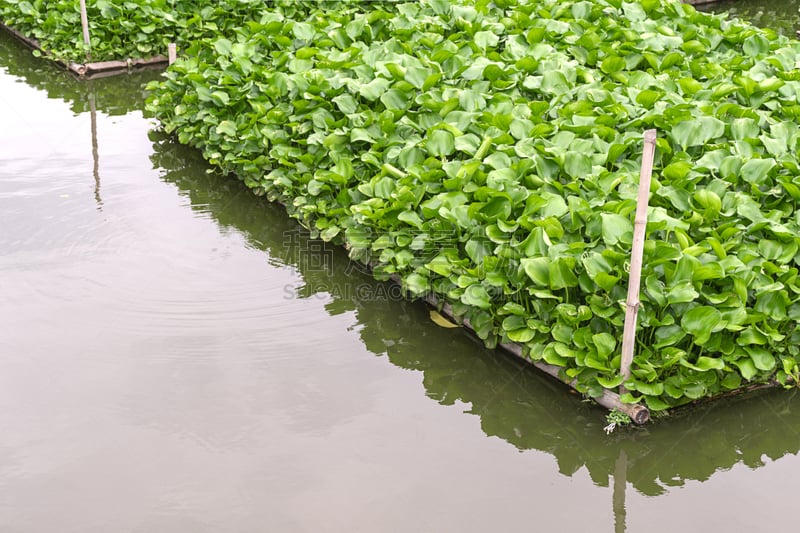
172, 52
634, 282
85, 26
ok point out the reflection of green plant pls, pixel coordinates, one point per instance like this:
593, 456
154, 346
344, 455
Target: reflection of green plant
616, 419
488, 152
511, 402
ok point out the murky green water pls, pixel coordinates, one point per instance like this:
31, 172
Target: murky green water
782, 16
176, 355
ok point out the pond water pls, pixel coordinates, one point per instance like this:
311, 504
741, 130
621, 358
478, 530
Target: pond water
176, 355
783, 17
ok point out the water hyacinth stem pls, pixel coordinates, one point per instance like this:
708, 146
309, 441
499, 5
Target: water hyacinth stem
637, 250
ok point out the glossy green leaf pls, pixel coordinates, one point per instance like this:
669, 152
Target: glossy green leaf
700, 322
616, 228
441, 143
756, 171
762, 359
538, 270
697, 131
577, 165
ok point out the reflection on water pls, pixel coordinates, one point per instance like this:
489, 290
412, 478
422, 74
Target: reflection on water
127, 328
513, 402
118, 95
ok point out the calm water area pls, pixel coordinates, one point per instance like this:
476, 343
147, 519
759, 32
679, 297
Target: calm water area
178, 356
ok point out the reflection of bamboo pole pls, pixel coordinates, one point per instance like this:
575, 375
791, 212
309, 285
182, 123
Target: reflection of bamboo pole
95, 154
85, 26
620, 484
634, 283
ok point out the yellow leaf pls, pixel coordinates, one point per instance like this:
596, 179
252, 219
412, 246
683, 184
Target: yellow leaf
439, 320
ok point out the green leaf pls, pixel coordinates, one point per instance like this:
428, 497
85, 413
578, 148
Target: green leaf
755, 171
554, 82
650, 389
762, 359
708, 200
220, 98
394, 99
498, 207
668, 336
577, 165
605, 344
756, 45
346, 103
477, 296
416, 76
303, 30
537, 269
612, 64
411, 217
226, 127
561, 274
374, 89
616, 229
440, 265
485, 39
521, 335
704, 364
441, 143
654, 403
416, 284
223, 46
553, 357
746, 368
697, 132
700, 322
360, 134
744, 128
610, 383
648, 97
683, 292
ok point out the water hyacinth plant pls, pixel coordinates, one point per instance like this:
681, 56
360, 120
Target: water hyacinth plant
122, 29
488, 152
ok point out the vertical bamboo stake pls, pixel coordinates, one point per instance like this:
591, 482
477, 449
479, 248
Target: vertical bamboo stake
172, 52
634, 282
85, 26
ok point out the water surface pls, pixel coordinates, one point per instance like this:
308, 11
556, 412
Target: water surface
783, 16
176, 355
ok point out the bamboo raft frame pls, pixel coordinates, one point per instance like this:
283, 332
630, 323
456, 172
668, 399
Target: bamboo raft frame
97, 69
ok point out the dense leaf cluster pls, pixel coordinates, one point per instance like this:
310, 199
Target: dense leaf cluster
489, 152
121, 29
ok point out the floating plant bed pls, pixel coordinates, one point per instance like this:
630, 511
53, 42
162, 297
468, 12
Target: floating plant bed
92, 38
485, 155
92, 69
